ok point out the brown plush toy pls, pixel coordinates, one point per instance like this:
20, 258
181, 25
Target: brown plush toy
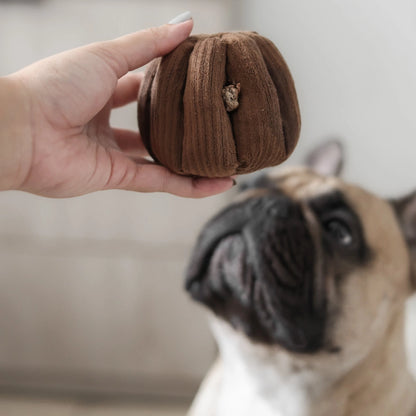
219, 105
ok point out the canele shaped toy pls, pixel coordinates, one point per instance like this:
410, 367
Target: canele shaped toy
219, 105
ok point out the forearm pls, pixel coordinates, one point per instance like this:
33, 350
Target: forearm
15, 146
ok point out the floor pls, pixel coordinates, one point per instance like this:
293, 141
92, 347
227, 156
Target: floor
17, 406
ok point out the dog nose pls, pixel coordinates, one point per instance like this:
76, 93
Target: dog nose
273, 213
267, 211
274, 206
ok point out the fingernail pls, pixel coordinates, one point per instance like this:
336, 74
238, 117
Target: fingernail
183, 17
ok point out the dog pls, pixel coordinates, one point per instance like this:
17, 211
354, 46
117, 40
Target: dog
306, 278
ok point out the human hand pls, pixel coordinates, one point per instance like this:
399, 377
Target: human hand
65, 144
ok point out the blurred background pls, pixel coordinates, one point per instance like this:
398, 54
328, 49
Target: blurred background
93, 318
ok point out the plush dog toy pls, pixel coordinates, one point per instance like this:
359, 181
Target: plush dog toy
219, 105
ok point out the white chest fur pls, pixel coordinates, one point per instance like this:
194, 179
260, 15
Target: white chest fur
252, 385
256, 380
241, 395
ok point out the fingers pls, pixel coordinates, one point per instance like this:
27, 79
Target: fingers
127, 89
150, 177
155, 178
132, 51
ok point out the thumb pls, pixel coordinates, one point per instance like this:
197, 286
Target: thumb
132, 51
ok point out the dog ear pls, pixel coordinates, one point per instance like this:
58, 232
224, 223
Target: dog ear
327, 159
405, 209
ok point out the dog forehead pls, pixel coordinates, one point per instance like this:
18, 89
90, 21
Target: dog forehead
301, 183
376, 214
304, 184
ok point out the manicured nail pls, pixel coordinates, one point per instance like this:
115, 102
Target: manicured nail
183, 17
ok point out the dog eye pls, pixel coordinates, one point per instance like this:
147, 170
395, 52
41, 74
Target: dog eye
339, 231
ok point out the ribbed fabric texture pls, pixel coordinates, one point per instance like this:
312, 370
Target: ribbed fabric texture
183, 118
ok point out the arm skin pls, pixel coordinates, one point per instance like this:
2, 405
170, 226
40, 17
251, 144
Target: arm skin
55, 136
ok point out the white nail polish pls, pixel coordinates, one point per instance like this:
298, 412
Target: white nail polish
183, 17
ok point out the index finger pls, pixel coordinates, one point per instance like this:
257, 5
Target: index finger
132, 51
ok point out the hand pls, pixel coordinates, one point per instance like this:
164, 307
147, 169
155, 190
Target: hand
65, 145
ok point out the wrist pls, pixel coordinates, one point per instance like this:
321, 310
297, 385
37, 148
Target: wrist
15, 142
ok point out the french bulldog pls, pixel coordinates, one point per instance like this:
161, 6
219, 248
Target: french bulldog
306, 277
